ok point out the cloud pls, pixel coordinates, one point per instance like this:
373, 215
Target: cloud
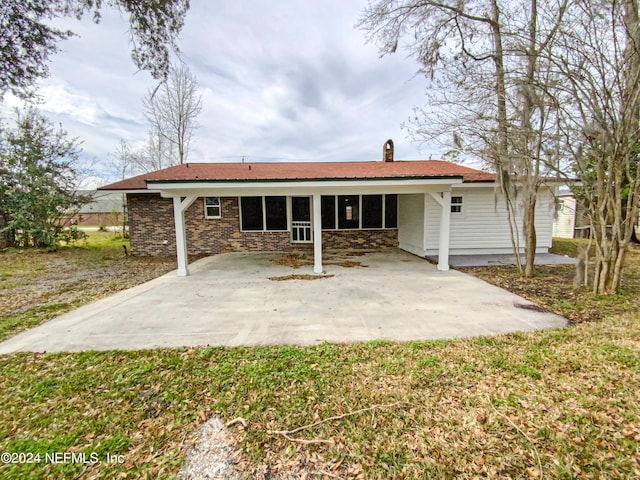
58, 100
279, 81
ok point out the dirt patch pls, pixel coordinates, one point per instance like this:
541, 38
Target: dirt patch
532, 307
299, 277
339, 259
77, 275
212, 453
346, 263
294, 260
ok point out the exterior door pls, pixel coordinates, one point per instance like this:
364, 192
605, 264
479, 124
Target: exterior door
301, 220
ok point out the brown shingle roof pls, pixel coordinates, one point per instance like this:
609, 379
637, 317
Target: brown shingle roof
303, 171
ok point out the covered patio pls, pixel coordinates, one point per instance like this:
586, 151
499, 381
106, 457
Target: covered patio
438, 188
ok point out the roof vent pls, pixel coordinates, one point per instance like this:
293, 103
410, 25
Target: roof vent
387, 151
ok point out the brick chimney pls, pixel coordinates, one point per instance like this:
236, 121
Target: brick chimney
387, 151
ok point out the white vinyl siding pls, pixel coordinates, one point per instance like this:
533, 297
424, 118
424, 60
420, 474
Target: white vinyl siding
564, 223
411, 223
484, 227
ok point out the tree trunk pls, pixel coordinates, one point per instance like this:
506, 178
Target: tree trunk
530, 234
616, 278
502, 151
7, 238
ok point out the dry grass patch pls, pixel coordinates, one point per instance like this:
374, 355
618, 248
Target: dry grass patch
294, 260
346, 263
36, 285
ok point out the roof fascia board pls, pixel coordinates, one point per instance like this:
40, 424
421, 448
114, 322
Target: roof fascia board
305, 188
181, 185
130, 190
489, 184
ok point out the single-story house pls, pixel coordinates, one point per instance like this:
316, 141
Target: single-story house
104, 209
428, 208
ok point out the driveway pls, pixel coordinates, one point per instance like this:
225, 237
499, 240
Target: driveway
249, 299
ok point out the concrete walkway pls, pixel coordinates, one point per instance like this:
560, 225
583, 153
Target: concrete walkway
230, 300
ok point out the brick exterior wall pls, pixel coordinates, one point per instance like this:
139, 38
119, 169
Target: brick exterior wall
151, 228
151, 224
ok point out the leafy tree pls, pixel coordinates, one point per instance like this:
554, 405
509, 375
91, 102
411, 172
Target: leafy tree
38, 180
27, 40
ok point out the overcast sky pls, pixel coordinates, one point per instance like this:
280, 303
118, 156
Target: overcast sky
280, 81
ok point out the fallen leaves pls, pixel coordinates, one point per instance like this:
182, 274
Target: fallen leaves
299, 277
339, 258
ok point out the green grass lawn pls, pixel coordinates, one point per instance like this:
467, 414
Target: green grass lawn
552, 404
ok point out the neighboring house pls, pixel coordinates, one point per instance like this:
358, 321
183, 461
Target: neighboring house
423, 207
103, 210
570, 220
564, 223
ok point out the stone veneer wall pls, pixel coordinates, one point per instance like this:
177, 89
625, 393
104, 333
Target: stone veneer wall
151, 229
359, 239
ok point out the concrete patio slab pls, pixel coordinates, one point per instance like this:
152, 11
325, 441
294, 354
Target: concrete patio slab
461, 261
230, 300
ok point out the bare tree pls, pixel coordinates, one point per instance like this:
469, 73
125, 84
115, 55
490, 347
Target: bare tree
155, 154
488, 92
599, 60
123, 165
158, 152
172, 110
534, 139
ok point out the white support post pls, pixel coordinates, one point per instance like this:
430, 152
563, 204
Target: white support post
179, 207
425, 228
317, 234
445, 222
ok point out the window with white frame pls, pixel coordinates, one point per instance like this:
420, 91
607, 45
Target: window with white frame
212, 207
456, 204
